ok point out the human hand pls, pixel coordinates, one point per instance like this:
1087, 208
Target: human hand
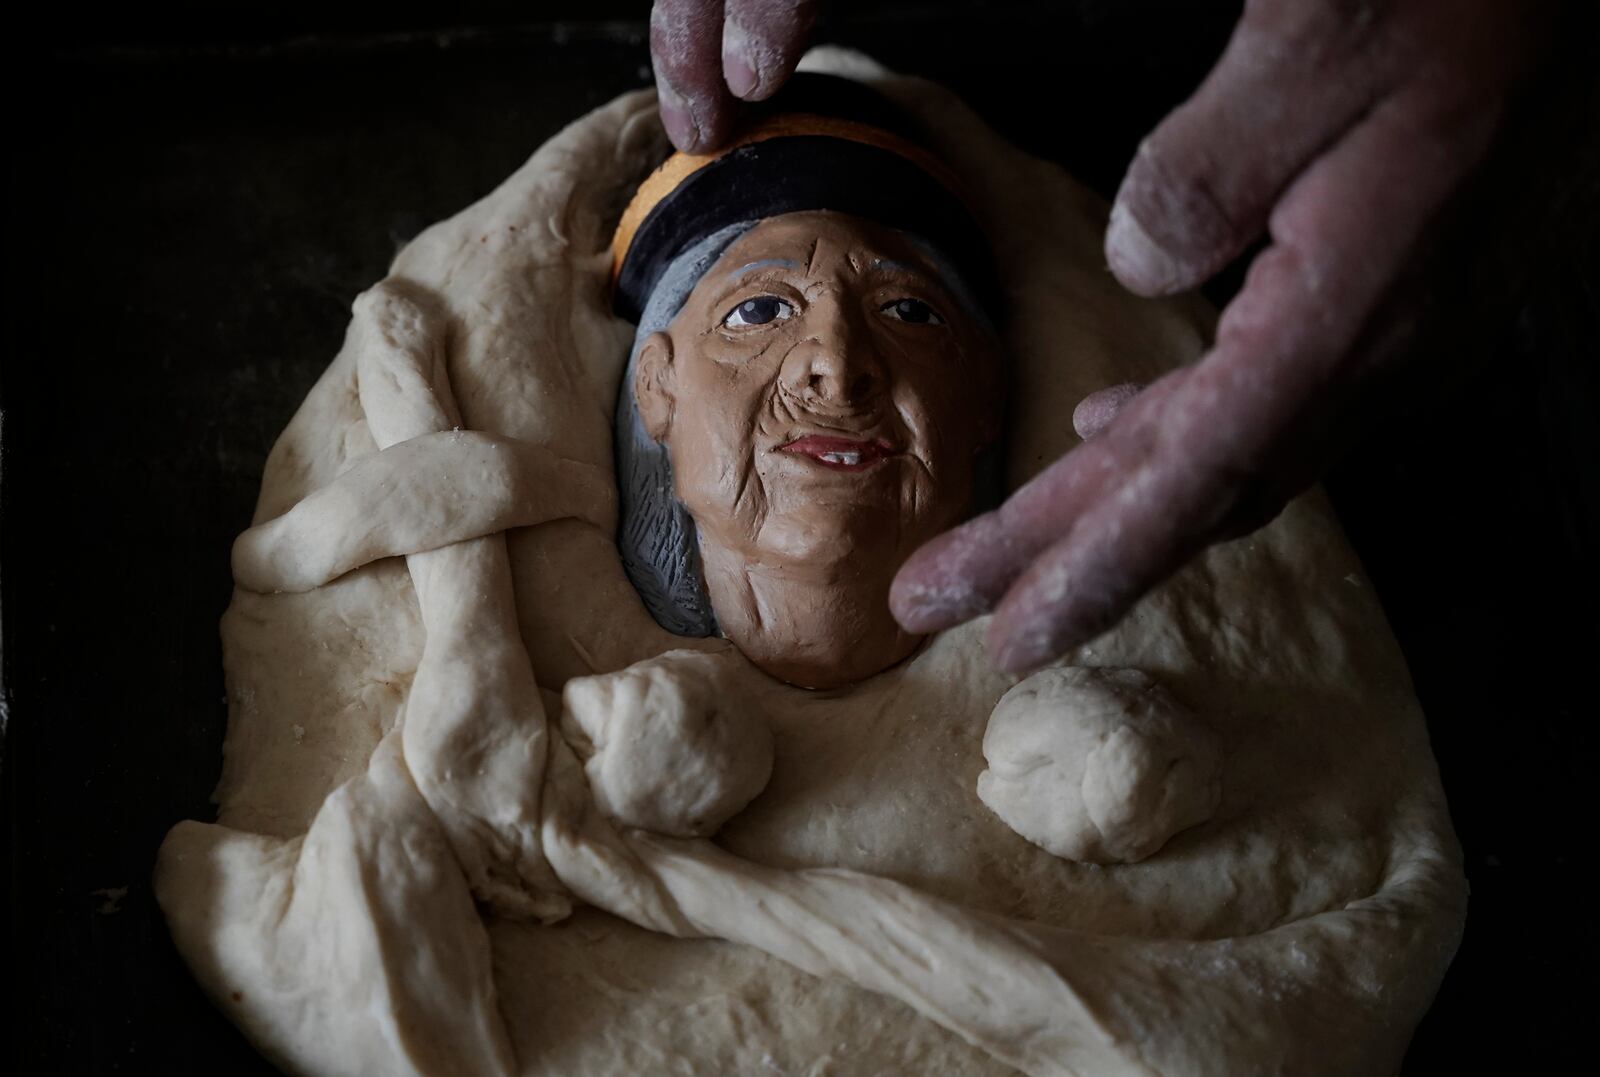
707, 52
1343, 129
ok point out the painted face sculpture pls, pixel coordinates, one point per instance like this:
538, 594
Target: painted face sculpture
811, 398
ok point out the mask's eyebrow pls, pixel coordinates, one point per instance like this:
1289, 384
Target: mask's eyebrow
905, 267
780, 263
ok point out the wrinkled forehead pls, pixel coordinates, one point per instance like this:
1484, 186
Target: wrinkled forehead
821, 243
824, 245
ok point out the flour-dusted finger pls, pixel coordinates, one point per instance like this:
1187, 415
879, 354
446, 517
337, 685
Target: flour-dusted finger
965, 571
686, 50
1235, 436
1293, 78
1296, 76
1095, 411
1211, 449
761, 43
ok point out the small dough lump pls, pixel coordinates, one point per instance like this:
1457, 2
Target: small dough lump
1098, 765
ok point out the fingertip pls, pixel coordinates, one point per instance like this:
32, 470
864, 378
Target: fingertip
680, 126
939, 585
925, 599
1141, 264
695, 124
1012, 652
761, 43
1096, 411
741, 75
741, 67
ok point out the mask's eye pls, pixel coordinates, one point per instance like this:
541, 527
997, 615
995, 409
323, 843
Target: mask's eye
912, 311
758, 311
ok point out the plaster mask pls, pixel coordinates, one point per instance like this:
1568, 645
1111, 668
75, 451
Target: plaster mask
822, 395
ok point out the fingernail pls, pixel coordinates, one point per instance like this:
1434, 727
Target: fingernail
678, 120
740, 74
739, 68
1139, 261
1095, 411
680, 127
1090, 417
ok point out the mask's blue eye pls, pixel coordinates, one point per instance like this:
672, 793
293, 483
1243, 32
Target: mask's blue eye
912, 311
758, 311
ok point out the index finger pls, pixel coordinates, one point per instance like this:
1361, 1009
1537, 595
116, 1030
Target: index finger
1251, 421
1173, 471
761, 43
686, 51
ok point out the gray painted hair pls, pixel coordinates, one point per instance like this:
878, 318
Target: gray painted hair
657, 539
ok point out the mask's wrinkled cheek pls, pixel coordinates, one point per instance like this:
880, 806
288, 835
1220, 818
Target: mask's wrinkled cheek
781, 408
760, 418
921, 393
747, 501
943, 405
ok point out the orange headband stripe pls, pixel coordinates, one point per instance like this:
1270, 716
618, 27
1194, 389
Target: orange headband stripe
680, 166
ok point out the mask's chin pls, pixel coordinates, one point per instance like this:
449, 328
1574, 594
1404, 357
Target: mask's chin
805, 594
819, 545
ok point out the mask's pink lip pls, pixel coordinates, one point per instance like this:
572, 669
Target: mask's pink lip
868, 452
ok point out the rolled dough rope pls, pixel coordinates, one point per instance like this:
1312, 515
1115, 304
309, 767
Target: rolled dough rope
597, 862
1323, 995
415, 496
474, 728
967, 972
1053, 1001
312, 944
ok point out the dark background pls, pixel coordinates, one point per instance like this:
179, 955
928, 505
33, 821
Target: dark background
194, 199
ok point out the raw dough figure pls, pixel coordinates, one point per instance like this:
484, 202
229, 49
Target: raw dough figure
422, 864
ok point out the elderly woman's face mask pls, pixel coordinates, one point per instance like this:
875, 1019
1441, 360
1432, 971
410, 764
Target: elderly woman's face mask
823, 396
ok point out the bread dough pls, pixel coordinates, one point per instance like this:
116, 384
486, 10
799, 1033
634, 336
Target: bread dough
669, 745
1100, 765
414, 871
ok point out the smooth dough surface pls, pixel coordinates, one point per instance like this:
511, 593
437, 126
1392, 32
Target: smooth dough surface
419, 865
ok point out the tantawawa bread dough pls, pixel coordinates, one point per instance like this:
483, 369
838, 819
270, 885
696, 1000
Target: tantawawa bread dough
468, 781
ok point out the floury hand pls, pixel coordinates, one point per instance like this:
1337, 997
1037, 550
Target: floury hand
1342, 130
707, 53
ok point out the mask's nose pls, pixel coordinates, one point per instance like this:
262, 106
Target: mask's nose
837, 365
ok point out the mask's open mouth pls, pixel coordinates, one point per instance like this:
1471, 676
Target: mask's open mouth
841, 454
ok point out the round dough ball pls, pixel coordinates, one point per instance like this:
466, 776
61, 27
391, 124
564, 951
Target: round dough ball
1098, 765
673, 752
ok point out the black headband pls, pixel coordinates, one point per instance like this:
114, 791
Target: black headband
864, 167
